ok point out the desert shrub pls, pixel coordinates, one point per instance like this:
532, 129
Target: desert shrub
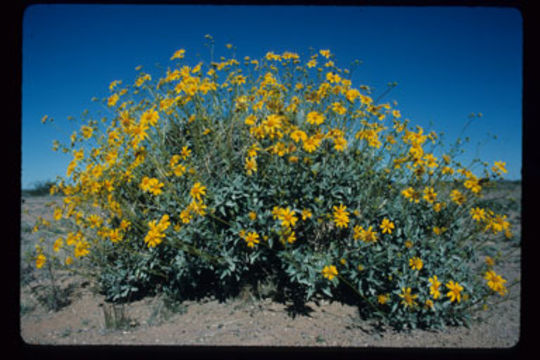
213, 176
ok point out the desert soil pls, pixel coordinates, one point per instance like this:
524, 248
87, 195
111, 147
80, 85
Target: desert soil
243, 321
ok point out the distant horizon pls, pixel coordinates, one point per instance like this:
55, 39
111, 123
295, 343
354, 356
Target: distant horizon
448, 62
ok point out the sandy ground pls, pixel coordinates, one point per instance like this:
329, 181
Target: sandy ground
243, 321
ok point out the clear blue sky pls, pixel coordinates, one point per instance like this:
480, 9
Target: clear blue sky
448, 62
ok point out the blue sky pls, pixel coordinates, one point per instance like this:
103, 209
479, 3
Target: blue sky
448, 62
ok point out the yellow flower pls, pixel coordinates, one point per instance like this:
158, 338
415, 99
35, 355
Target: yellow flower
156, 233
429, 304
429, 194
438, 230
341, 216
369, 235
179, 170
150, 116
197, 190
306, 214
312, 63
87, 131
251, 239
387, 226
447, 170
298, 135
411, 194
179, 54
496, 282
434, 287
58, 244
340, 144
325, 53
457, 197
185, 216
489, 261
437, 207
112, 100
338, 108
416, 263
455, 291
69, 260
408, 244
82, 248
382, 299
311, 144
185, 152
358, 231
250, 120
352, 94
287, 217
252, 215
478, 214
57, 214
333, 78
473, 184
408, 298
40, 261
291, 238
315, 118
272, 124
329, 272
152, 185
499, 167
250, 165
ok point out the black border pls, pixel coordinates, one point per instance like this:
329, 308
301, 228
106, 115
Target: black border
530, 178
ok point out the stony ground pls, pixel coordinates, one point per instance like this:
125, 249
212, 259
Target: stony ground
243, 321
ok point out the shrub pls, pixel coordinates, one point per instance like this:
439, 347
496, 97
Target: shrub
235, 172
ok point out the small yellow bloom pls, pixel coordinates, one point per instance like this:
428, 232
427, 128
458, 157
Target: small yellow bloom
341, 216
438, 230
325, 53
457, 197
329, 272
251, 239
197, 191
434, 287
430, 195
315, 118
382, 299
416, 263
495, 282
58, 244
499, 167
40, 261
408, 298
287, 217
455, 291
387, 226
478, 214
252, 215
306, 214
250, 165
179, 54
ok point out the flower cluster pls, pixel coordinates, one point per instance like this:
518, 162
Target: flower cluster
274, 166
